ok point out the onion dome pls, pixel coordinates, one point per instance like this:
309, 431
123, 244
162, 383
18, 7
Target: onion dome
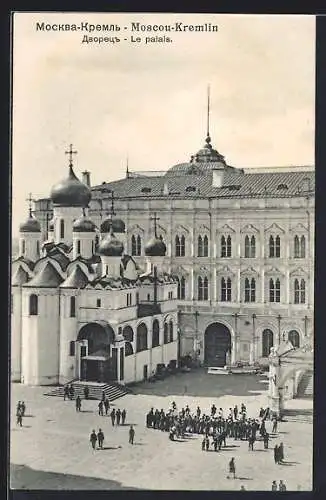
155, 247
118, 226
31, 225
110, 246
70, 192
83, 225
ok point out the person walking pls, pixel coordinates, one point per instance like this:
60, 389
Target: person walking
203, 444
103, 396
23, 408
274, 428
281, 486
207, 443
123, 416
66, 392
118, 416
131, 435
100, 408
106, 405
86, 392
281, 452
78, 403
231, 468
71, 392
19, 418
266, 439
100, 439
93, 439
112, 415
274, 486
251, 441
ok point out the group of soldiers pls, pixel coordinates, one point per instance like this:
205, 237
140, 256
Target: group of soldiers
20, 412
99, 438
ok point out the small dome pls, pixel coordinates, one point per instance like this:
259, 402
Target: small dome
83, 225
118, 226
70, 192
110, 246
31, 225
155, 247
51, 225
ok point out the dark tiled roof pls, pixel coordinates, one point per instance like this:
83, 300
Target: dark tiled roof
76, 279
236, 184
113, 283
19, 277
60, 257
48, 277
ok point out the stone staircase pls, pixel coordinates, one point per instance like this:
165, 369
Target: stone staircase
306, 386
112, 390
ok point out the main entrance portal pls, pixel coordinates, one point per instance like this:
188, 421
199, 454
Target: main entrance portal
217, 344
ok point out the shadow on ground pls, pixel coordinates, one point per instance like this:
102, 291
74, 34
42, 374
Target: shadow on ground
25, 478
199, 384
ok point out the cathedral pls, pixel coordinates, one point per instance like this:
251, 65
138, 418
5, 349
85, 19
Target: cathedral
222, 272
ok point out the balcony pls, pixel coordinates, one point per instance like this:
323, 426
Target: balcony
148, 309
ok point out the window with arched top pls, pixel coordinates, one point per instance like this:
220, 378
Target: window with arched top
78, 247
250, 290
267, 342
226, 246
155, 333
171, 330
23, 243
72, 307
135, 245
299, 291
141, 337
274, 246
200, 249
180, 245
294, 338
250, 246
166, 333
128, 333
128, 349
62, 228
33, 305
274, 290
181, 288
202, 285
205, 246
226, 290
299, 247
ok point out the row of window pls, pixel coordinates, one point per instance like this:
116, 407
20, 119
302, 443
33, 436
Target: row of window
249, 289
268, 340
274, 246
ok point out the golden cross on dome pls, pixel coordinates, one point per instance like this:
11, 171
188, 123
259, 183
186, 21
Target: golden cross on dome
30, 200
155, 219
70, 153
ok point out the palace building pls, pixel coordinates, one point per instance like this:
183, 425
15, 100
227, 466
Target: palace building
238, 265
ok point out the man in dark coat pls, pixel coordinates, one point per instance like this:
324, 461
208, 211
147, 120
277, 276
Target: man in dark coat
231, 468
106, 405
131, 435
65, 392
23, 408
100, 408
123, 416
112, 415
86, 392
276, 454
71, 392
274, 420
118, 416
281, 452
266, 439
78, 403
100, 439
93, 439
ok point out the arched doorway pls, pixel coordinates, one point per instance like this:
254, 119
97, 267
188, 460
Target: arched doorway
267, 342
95, 363
217, 344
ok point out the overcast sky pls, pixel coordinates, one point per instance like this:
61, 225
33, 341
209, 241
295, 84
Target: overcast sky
148, 102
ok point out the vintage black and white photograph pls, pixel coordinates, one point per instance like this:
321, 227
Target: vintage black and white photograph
162, 272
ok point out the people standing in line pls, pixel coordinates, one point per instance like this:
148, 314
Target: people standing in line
93, 439
112, 415
274, 486
86, 392
118, 416
78, 403
232, 468
66, 392
123, 416
281, 486
100, 439
100, 408
106, 405
131, 435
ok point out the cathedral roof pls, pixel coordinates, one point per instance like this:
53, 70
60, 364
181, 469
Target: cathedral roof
110, 246
19, 277
70, 192
83, 225
155, 247
31, 225
48, 277
109, 283
76, 279
118, 226
30, 264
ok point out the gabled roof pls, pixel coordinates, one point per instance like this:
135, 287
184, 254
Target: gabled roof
108, 283
19, 277
48, 277
76, 279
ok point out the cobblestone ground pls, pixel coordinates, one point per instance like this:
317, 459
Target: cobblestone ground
52, 449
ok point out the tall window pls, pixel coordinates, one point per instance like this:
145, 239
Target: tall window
205, 242
200, 247
250, 247
202, 288
78, 247
226, 290
226, 246
23, 247
299, 247
166, 333
274, 290
62, 228
250, 290
156, 333
299, 291
180, 246
98, 302
294, 338
33, 305
38, 247
267, 342
181, 288
274, 246
136, 245
141, 337
171, 330
72, 307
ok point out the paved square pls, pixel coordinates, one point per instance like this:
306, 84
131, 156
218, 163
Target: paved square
52, 449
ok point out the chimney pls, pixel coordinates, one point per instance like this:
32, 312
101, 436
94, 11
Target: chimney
87, 178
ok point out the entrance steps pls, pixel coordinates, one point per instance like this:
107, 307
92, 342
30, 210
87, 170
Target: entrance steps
112, 390
306, 386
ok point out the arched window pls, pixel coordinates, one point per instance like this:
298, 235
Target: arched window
277, 246
247, 247
226, 290
267, 342
128, 349
72, 348
171, 330
200, 252
223, 246
294, 338
182, 246
141, 337
303, 247
72, 307
296, 247
205, 246
38, 247
181, 288
166, 333
78, 247
205, 288
228, 247
138, 245
253, 246
202, 288
62, 228
271, 246
33, 305
274, 290
23, 247
156, 333
96, 242
250, 290
177, 246
128, 333
299, 291
135, 245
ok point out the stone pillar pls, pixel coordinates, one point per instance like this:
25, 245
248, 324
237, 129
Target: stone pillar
275, 397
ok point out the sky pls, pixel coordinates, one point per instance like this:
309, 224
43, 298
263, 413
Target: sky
147, 102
